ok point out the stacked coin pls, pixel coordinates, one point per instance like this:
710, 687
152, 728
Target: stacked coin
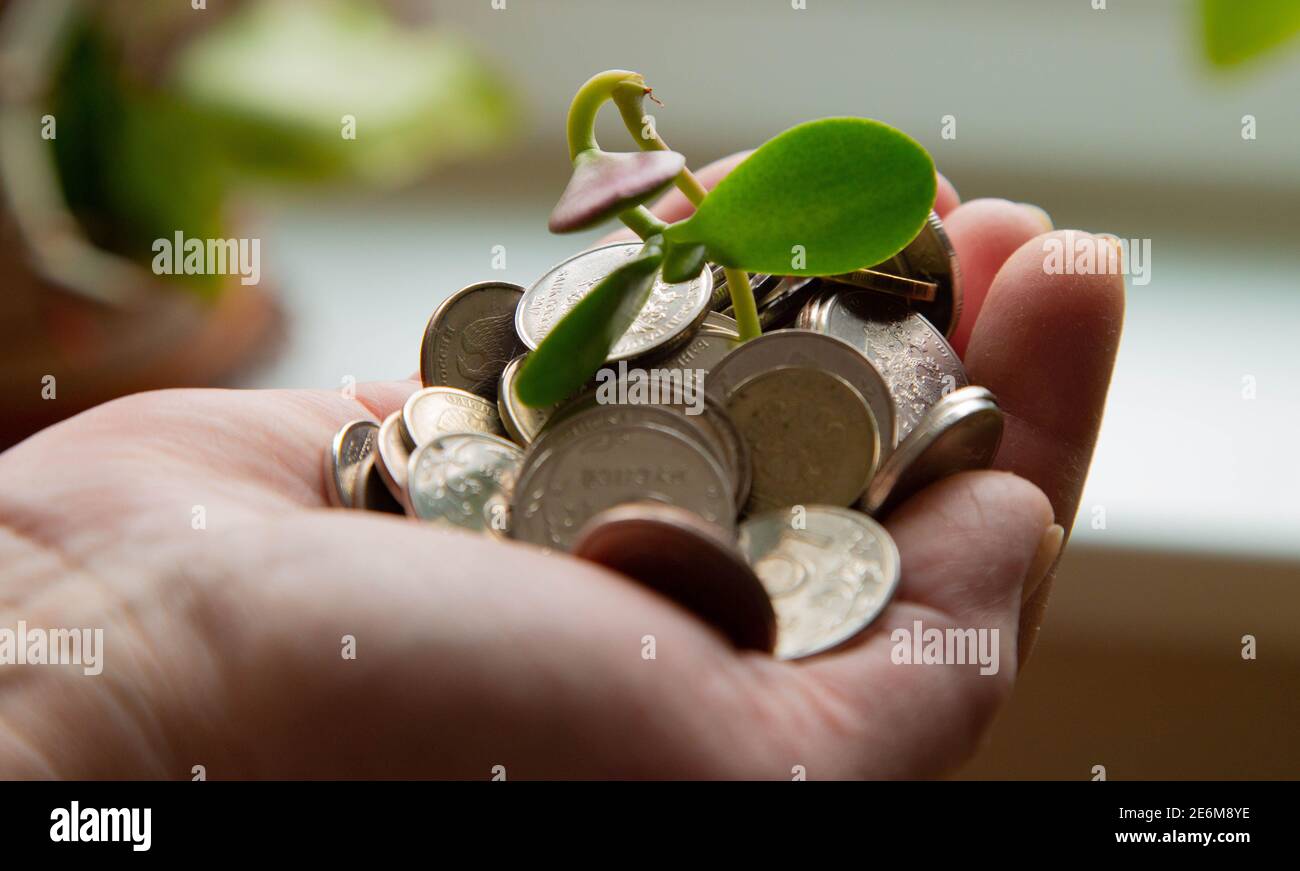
738, 479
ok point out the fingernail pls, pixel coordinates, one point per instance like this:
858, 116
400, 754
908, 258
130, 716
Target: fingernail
1049, 548
1040, 216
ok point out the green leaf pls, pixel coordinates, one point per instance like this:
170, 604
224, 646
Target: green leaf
606, 183
683, 262
1237, 30
824, 197
580, 343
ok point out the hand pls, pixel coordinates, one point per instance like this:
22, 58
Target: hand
223, 645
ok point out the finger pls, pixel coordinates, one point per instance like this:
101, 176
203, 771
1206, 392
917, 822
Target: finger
1045, 345
1038, 586
967, 544
275, 439
946, 198
984, 233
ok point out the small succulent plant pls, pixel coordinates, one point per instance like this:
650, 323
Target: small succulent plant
823, 197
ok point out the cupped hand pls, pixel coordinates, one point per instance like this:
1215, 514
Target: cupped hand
192, 527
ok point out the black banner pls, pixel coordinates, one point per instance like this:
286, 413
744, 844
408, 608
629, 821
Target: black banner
330, 820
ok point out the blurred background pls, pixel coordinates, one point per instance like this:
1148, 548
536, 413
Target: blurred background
233, 121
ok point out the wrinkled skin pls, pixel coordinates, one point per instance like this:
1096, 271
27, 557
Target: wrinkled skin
223, 645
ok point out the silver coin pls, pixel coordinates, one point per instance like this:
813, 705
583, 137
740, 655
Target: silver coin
522, 422
436, 411
351, 444
781, 304
912, 356
960, 433
808, 350
829, 571
731, 447
759, 283
668, 317
931, 257
706, 420
471, 337
719, 434
372, 493
390, 445
608, 455
464, 480
705, 349
777, 299
811, 437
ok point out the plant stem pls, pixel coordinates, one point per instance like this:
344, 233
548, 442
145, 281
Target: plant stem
581, 130
627, 95
642, 222
742, 304
586, 105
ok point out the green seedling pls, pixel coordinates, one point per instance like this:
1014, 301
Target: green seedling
823, 197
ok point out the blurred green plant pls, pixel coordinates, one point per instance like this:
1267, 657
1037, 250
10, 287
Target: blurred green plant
264, 96
1238, 30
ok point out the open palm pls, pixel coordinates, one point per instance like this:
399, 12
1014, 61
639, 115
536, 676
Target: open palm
223, 644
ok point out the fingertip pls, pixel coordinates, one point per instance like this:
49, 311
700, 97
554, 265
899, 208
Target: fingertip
1043, 297
1045, 344
985, 233
946, 197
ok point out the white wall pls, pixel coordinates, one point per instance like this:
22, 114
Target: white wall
1043, 86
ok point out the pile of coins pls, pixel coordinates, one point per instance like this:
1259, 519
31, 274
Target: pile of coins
741, 480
